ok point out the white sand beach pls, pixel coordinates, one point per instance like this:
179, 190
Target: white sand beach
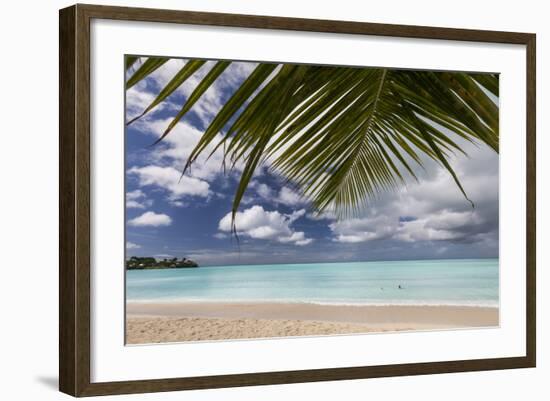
195, 321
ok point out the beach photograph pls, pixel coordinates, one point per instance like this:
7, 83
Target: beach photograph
279, 200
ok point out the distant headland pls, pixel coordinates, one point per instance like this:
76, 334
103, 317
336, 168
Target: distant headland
137, 263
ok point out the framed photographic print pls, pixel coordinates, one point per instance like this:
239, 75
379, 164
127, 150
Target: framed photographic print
250, 200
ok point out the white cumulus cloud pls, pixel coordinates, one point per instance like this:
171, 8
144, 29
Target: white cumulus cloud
438, 226
257, 223
444, 225
289, 197
171, 180
210, 102
151, 219
363, 229
285, 196
131, 245
174, 150
137, 200
263, 190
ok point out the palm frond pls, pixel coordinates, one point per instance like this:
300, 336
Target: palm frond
145, 69
189, 69
129, 61
340, 135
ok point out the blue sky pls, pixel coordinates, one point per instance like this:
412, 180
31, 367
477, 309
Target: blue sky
169, 217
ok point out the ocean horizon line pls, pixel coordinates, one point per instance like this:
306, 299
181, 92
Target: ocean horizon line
353, 261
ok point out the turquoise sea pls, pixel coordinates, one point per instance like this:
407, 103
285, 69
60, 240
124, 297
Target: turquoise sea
422, 282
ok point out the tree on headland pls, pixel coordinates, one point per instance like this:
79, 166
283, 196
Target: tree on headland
139, 263
339, 135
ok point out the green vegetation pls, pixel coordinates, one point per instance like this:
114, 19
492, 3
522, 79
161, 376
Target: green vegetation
338, 135
136, 263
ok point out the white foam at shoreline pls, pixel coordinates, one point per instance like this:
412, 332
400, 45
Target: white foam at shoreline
480, 304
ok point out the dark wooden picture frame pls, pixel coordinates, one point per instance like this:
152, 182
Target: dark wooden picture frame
74, 204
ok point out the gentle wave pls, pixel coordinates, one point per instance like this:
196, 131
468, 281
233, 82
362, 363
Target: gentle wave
480, 304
